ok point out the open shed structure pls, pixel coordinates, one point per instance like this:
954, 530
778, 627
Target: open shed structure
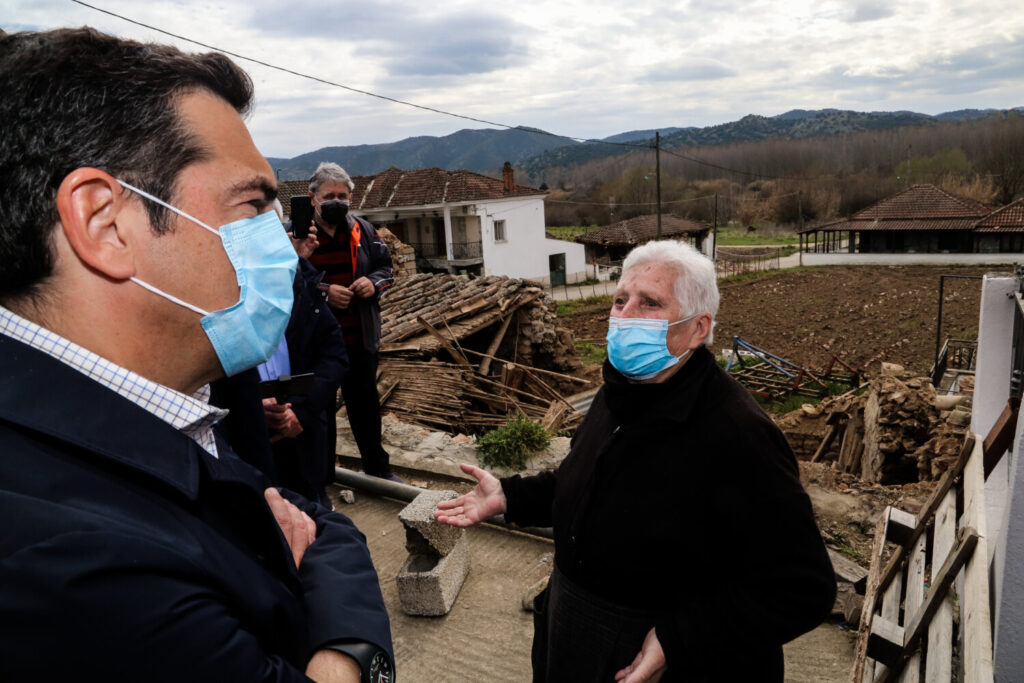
923, 219
612, 242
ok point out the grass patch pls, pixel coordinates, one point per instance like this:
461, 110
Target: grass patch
587, 305
568, 232
590, 353
737, 235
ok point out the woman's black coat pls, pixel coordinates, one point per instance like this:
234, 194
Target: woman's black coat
684, 497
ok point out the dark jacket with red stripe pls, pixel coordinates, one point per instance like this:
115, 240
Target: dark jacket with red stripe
370, 259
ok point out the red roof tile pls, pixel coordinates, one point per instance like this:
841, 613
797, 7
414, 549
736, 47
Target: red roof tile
642, 229
923, 201
395, 188
1010, 218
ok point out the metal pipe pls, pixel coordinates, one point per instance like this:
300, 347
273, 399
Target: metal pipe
406, 493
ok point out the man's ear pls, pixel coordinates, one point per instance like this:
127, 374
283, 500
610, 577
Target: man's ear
94, 215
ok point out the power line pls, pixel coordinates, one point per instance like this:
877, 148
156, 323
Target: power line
355, 90
394, 100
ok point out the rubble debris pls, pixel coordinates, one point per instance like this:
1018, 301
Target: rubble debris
438, 562
897, 431
403, 256
461, 353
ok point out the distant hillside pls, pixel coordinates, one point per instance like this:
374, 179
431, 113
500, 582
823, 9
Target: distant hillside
797, 123
534, 152
476, 150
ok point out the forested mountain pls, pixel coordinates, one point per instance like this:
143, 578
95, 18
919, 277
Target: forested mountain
477, 150
543, 157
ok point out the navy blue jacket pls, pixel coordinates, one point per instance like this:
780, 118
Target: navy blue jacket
316, 345
129, 553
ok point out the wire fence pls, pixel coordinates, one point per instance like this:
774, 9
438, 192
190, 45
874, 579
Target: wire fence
729, 263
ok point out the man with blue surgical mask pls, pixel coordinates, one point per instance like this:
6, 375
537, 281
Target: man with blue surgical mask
142, 261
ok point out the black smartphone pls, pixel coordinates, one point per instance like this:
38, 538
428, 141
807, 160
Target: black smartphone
302, 216
287, 385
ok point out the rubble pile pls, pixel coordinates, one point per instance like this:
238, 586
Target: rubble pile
403, 256
461, 353
894, 430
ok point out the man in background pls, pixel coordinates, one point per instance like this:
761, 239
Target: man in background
357, 268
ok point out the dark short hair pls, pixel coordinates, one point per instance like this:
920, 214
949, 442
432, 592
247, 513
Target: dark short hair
73, 98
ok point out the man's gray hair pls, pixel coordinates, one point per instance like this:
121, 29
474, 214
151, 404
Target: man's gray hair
696, 285
329, 171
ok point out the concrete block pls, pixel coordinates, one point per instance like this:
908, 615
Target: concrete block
423, 534
428, 584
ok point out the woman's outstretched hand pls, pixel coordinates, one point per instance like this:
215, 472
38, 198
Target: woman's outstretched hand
484, 501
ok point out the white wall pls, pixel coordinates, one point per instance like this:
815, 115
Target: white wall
525, 251
1004, 488
811, 259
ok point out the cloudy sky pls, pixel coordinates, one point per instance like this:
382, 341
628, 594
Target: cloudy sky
583, 69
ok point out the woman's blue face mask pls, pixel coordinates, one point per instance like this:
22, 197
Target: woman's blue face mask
638, 347
247, 333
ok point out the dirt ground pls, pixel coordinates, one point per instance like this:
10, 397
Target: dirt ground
858, 312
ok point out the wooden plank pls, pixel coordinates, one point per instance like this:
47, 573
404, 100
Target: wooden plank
459, 358
830, 435
864, 669
1001, 435
555, 415
846, 570
885, 644
485, 364
890, 613
975, 615
914, 598
939, 664
966, 547
901, 527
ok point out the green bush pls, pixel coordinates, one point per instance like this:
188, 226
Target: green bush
511, 445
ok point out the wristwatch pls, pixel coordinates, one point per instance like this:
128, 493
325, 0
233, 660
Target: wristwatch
374, 663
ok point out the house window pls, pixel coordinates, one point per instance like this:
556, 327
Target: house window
499, 231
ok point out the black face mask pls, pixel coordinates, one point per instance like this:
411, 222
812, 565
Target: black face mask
334, 211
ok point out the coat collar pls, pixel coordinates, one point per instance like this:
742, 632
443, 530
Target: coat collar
672, 400
45, 395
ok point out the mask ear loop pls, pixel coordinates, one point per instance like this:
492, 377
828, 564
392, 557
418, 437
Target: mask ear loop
146, 285
167, 206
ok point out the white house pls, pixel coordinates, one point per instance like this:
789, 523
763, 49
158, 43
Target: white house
465, 222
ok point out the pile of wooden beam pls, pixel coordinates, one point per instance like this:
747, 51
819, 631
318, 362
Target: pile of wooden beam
457, 354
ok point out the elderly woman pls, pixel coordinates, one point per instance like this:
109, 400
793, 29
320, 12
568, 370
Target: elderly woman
685, 546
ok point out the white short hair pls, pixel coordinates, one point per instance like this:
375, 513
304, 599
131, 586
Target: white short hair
696, 285
329, 171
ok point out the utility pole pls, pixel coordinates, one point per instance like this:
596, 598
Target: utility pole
714, 244
657, 175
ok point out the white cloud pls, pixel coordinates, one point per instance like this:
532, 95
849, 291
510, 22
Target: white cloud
586, 68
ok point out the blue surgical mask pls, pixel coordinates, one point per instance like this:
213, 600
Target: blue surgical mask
246, 334
638, 347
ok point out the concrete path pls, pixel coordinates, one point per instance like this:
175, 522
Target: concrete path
487, 635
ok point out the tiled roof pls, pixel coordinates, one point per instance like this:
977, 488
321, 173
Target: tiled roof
448, 302
642, 229
923, 201
396, 188
894, 225
1009, 218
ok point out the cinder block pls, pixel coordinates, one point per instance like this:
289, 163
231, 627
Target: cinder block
428, 584
423, 534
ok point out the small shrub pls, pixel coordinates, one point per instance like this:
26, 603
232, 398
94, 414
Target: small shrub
512, 444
